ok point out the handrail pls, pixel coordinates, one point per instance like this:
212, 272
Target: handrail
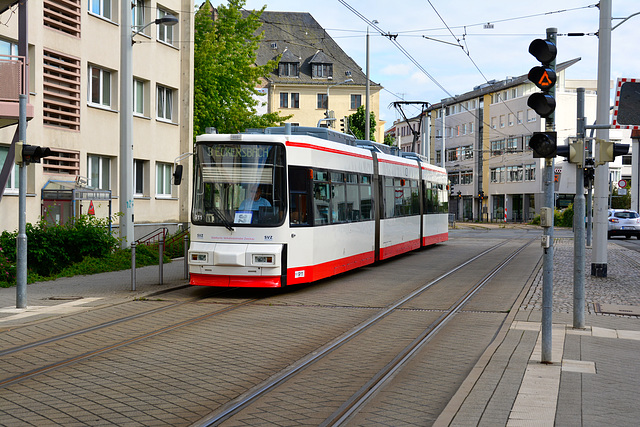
153, 237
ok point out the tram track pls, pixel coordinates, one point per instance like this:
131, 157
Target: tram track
358, 399
33, 346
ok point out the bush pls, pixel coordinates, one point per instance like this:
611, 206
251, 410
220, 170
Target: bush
51, 248
562, 218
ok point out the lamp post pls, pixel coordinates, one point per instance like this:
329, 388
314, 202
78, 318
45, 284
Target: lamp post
126, 117
367, 112
329, 87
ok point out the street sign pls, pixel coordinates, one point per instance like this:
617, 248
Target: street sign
626, 109
622, 183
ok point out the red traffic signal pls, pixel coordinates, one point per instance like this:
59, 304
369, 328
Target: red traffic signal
544, 144
542, 103
543, 77
32, 154
543, 50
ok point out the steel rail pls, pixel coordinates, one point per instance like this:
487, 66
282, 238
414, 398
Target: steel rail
235, 406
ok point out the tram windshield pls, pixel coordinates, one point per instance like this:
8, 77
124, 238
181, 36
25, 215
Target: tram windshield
239, 184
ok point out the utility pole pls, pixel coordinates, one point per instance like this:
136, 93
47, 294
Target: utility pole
578, 221
601, 182
367, 112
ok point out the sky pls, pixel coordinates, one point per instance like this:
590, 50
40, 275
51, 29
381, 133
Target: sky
441, 68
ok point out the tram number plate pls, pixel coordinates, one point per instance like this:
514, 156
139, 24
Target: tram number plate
299, 273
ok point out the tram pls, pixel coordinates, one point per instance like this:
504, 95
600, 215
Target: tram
289, 205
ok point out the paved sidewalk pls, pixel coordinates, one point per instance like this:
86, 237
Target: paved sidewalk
72, 294
593, 380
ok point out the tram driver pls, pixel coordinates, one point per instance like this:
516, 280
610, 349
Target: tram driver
254, 200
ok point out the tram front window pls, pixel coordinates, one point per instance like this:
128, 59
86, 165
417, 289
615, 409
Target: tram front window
239, 184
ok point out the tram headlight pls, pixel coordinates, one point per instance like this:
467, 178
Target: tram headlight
199, 258
261, 259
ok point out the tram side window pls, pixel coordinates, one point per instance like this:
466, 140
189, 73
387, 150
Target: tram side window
338, 198
321, 197
353, 198
366, 197
415, 198
299, 199
400, 197
443, 202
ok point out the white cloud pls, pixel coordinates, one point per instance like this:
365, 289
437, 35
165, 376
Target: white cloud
396, 70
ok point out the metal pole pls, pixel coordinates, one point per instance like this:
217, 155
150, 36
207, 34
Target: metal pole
21, 243
547, 259
126, 126
578, 225
601, 184
133, 266
161, 261
186, 257
367, 111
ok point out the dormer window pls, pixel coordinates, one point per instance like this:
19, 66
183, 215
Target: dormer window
321, 66
289, 65
288, 69
322, 70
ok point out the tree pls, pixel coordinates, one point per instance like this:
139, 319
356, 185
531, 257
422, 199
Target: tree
389, 140
357, 124
225, 70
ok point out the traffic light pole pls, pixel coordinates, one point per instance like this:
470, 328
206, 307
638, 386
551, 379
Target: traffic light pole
578, 224
21, 242
601, 182
547, 259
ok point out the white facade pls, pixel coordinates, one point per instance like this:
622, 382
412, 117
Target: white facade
74, 65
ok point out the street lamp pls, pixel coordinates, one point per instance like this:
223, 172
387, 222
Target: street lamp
126, 117
367, 108
329, 87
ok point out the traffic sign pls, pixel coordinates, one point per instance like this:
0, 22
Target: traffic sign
622, 183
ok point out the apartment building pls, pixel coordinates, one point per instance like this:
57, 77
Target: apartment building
314, 76
482, 137
74, 49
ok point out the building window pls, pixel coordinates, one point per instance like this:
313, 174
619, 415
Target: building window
61, 90
62, 16
288, 69
454, 178
138, 97
163, 179
626, 160
438, 157
99, 171
137, 17
519, 115
531, 115
493, 122
295, 100
322, 70
165, 103
466, 177
284, 99
323, 101
100, 8
497, 174
7, 48
530, 172
139, 167
61, 161
515, 173
502, 121
512, 144
356, 101
99, 86
470, 128
12, 182
165, 31
452, 154
497, 147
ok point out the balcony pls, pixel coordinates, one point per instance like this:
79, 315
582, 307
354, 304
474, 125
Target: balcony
12, 84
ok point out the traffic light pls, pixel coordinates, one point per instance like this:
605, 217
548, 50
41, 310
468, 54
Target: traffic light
459, 194
544, 77
574, 152
589, 172
544, 144
344, 124
481, 195
606, 151
26, 153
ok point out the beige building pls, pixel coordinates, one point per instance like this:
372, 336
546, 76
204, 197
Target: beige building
315, 76
74, 90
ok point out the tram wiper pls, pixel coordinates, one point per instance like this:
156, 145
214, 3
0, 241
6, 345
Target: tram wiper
222, 218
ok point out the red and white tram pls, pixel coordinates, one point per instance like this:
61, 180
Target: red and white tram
282, 207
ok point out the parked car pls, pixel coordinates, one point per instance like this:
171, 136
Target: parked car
623, 222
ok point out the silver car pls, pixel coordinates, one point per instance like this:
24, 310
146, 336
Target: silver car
623, 222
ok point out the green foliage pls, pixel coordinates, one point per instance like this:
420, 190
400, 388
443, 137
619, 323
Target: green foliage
357, 124
225, 70
563, 218
389, 140
7, 269
51, 248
